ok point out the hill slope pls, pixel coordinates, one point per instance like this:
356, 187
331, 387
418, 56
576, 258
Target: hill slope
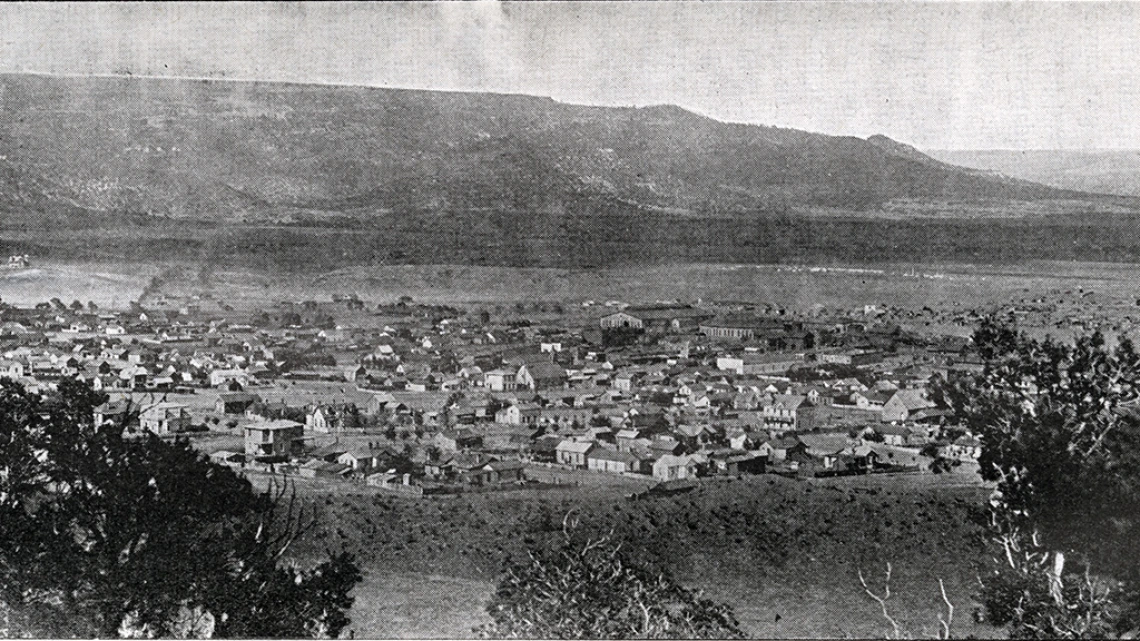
271, 151
1114, 171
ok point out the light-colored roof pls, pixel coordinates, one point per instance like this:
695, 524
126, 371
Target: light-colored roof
913, 399
605, 454
576, 447
274, 425
669, 460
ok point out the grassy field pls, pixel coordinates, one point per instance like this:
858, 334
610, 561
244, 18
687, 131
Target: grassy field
802, 287
109, 285
768, 546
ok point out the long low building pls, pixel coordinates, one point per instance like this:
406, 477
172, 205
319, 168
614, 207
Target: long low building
759, 363
657, 318
775, 333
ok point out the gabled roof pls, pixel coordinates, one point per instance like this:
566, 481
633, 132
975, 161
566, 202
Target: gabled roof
665, 312
605, 454
913, 399
790, 401
545, 370
324, 466
876, 397
785, 443
237, 397
825, 444
575, 447
504, 466
670, 460
274, 425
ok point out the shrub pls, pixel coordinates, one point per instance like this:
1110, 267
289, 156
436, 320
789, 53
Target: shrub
1060, 437
587, 588
103, 536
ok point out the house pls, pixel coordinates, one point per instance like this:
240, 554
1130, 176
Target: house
114, 412
458, 440
456, 464
379, 403
274, 438
223, 378
665, 446
541, 375
573, 453
226, 457
500, 380
897, 435
627, 381
614, 461
787, 449
318, 468
827, 448
495, 472
11, 369
527, 414
360, 460
740, 441
235, 402
164, 418
133, 377
966, 448
671, 468
735, 462
355, 373
871, 400
321, 419
545, 448
904, 404
695, 436
789, 412
625, 439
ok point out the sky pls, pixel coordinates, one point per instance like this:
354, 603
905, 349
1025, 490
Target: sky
955, 75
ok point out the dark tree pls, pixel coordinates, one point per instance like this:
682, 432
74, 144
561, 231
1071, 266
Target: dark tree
1060, 432
106, 536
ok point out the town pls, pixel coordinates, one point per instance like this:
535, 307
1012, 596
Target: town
418, 399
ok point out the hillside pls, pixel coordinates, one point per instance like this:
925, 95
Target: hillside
766, 545
272, 151
1115, 171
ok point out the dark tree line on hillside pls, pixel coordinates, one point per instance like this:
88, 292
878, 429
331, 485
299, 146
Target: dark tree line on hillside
103, 536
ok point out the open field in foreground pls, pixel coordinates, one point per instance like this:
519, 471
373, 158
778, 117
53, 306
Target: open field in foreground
784, 553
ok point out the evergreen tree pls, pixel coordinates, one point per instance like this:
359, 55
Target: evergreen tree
1060, 432
103, 536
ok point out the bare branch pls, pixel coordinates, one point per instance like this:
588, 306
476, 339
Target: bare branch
882, 600
949, 620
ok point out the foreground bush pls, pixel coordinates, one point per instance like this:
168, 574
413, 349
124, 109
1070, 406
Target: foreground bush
587, 589
1060, 429
102, 536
